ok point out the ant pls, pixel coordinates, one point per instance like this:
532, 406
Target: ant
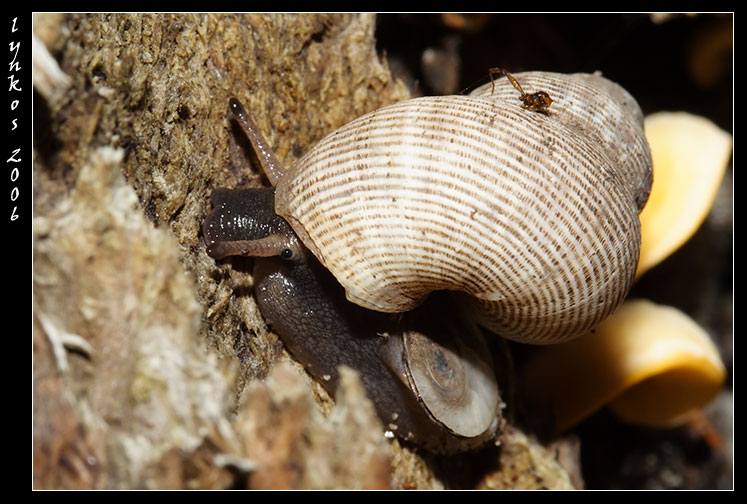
536, 102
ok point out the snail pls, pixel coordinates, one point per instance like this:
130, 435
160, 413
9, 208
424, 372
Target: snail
531, 220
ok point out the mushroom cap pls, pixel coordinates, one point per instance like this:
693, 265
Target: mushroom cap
690, 155
652, 364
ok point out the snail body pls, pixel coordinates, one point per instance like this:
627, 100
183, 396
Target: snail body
531, 218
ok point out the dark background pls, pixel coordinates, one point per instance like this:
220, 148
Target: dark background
683, 63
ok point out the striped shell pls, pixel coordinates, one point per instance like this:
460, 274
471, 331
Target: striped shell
533, 217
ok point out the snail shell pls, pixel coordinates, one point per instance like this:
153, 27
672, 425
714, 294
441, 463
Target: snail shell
532, 217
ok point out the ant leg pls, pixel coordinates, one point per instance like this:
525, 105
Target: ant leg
510, 77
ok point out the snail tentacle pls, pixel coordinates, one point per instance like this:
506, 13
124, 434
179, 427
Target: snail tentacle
271, 166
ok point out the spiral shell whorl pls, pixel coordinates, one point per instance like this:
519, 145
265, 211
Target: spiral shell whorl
470, 194
605, 112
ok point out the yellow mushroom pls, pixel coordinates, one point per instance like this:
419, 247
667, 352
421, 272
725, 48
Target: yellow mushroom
652, 364
690, 156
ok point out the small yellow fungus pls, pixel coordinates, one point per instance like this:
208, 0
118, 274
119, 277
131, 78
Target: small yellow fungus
653, 365
690, 156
